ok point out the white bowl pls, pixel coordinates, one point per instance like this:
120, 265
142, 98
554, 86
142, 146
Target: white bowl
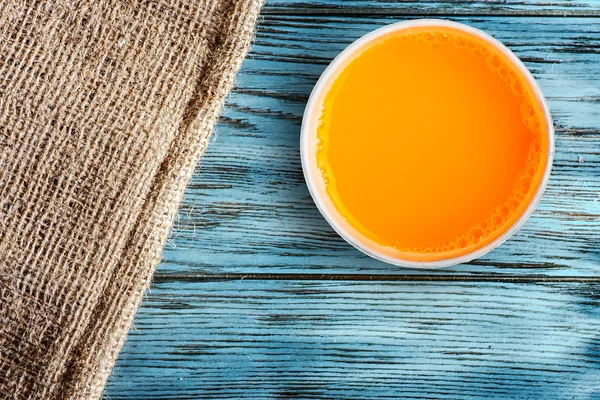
317, 188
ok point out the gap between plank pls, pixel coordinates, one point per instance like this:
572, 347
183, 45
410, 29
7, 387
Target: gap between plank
162, 277
367, 12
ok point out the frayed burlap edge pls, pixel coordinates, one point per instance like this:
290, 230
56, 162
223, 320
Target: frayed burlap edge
147, 240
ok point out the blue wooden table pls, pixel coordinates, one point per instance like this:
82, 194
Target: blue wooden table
257, 297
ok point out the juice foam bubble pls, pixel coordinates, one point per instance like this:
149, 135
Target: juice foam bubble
496, 221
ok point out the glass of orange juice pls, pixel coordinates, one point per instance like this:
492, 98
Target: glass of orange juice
426, 143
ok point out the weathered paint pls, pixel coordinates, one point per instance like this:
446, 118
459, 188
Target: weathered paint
448, 334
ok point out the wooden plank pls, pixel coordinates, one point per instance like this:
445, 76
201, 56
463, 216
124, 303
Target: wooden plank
435, 8
247, 209
291, 339
355, 277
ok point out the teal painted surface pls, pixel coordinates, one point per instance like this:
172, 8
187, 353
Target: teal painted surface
492, 328
248, 209
289, 339
443, 8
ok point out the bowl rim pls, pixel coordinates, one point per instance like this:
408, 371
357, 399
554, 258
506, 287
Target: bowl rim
331, 72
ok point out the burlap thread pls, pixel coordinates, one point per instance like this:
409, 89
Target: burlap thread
105, 108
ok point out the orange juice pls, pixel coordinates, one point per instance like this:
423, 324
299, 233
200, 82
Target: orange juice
431, 142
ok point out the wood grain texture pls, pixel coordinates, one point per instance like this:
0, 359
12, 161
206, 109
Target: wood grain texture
436, 8
363, 340
257, 296
247, 209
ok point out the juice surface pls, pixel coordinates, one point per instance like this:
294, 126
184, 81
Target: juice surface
432, 142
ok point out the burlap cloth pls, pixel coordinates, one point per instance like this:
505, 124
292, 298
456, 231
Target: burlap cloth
105, 109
